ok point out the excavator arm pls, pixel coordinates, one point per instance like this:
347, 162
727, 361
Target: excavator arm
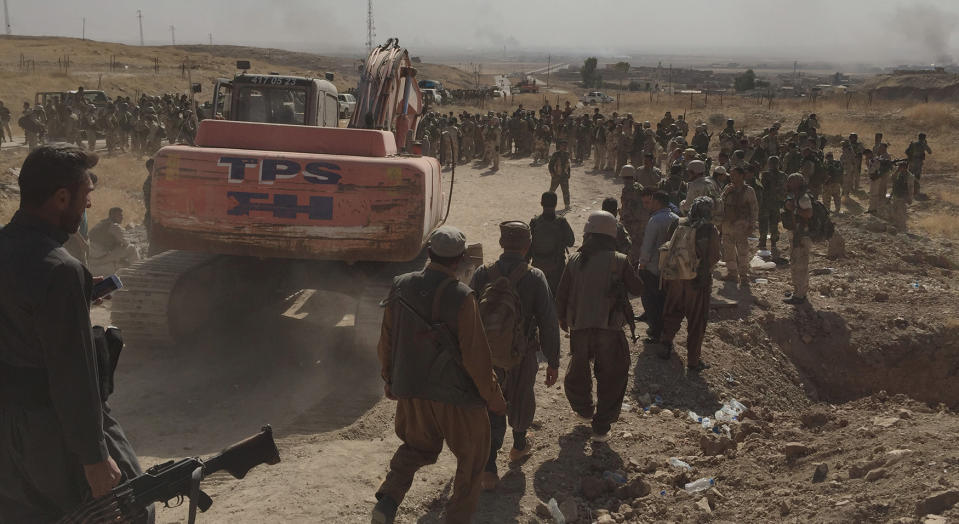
388, 97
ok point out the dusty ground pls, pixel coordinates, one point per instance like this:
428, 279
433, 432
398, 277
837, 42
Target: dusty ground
826, 377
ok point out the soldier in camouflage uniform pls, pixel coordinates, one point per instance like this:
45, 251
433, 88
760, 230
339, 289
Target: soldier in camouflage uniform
633, 215
903, 184
600, 131
916, 155
700, 141
493, 141
559, 170
466, 140
834, 181
612, 146
858, 150
773, 183
727, 138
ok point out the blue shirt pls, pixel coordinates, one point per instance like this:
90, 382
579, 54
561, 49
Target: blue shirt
657, 231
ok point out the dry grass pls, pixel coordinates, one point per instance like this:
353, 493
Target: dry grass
940, 224
120, 184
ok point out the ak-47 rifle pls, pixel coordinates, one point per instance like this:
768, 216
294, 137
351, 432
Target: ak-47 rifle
622, 304
175, 480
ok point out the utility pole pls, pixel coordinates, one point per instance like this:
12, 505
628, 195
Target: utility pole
549, 61
140, 18
6, 18
370, 28
173, 34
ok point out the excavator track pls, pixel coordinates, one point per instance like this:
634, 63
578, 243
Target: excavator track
141, 308
173, 295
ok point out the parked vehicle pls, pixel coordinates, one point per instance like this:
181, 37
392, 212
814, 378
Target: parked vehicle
347, 104
596, 97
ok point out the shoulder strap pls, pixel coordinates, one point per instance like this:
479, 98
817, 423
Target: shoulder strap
518, 273
438, 297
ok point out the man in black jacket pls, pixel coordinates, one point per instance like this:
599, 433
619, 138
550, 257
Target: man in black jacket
58, 443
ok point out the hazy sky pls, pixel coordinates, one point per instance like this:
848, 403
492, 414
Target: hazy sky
877, 31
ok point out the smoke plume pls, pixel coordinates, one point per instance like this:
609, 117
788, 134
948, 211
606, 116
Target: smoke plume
930, 27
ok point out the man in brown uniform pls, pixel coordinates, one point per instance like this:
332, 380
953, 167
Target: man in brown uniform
740, 216
443, 382
797, 212
588, 309
690, 298
542, 330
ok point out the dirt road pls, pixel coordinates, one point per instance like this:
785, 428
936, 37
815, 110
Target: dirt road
294, 364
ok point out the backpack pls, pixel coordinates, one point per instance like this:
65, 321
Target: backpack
820, 227
502, 313
677, 256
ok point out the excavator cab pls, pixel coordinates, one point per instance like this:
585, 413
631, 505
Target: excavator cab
275, 99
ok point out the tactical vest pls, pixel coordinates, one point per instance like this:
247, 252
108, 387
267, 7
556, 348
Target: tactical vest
425, 364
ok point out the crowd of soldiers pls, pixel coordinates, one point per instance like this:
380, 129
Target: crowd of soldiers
682, 212
460, 359
137, 126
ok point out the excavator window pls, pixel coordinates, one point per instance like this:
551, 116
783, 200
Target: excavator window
273, 105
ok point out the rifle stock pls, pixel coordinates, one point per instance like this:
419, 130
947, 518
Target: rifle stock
243, 456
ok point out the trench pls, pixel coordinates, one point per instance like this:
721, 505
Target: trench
923, 365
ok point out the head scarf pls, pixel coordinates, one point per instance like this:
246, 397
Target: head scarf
701, 212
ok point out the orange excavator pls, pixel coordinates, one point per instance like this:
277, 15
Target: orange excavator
267, 187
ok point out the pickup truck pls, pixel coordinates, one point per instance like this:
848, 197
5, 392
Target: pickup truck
596, 97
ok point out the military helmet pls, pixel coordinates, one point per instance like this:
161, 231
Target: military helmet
601, 223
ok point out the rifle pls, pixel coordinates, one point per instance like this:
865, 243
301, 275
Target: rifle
175, 480
622, 304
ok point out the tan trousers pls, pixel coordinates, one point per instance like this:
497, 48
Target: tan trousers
599, 160
736, 252
423, 426
799, 266
492, 154
610, 156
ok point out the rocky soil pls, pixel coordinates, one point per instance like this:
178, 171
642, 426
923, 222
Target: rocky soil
850, 398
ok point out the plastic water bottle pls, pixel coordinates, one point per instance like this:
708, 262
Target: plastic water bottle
694, 417
700, 485
615, 477
658, 400
553, 508
707, 424
676, 463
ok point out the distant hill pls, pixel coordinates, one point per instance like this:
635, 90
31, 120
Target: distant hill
920, 85
32, 64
